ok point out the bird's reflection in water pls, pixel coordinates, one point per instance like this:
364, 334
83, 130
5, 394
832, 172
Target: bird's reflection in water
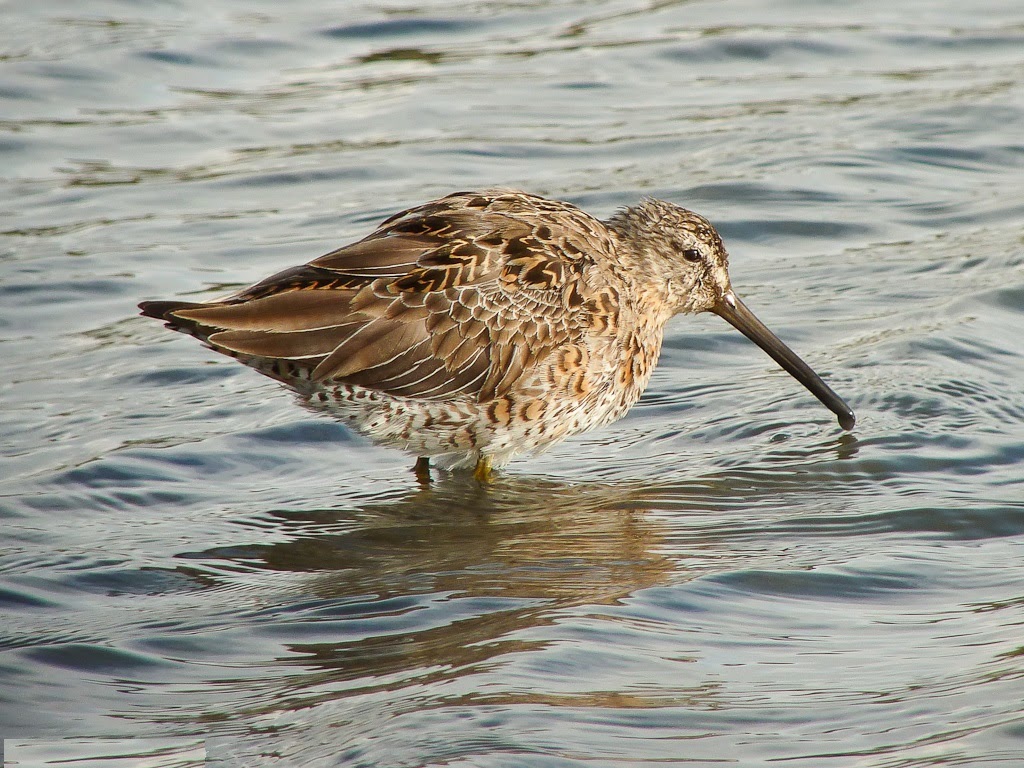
434, 582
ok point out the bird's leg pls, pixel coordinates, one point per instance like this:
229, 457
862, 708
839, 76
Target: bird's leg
422, 470
482, 473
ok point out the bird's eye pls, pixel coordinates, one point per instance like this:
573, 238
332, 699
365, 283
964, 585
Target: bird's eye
691, 254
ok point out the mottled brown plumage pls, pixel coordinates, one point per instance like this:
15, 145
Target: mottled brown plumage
484, 324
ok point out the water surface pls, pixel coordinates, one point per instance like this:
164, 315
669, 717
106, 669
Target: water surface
194, 569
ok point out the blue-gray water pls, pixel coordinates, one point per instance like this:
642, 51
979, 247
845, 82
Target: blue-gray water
192, 568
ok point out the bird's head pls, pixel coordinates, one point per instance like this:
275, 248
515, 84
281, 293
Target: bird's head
680, 255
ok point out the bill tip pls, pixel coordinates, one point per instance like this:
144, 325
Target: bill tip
847, 420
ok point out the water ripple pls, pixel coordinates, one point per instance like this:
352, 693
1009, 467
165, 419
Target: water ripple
199, 571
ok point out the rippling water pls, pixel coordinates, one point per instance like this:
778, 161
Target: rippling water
194, 569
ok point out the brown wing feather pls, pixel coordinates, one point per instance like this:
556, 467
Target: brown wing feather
456, 297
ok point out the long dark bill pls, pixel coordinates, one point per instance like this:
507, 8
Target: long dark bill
735, 312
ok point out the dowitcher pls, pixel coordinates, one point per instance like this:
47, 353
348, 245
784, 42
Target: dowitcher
485, 324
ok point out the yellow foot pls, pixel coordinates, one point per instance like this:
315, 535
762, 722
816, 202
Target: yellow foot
422, 470
482, 473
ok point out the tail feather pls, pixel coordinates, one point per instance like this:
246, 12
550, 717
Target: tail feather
283, 370
165, 310
161, 309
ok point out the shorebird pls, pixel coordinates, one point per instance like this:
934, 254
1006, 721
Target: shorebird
484, 324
